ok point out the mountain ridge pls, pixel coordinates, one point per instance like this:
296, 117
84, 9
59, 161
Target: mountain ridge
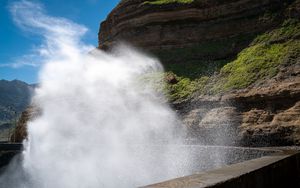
15, 96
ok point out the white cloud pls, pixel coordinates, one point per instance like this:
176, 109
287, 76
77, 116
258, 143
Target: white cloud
57, 32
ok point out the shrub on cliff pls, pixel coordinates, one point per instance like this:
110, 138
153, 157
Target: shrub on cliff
173, 87
261, 60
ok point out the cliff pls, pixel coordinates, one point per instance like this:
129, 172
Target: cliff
234, 65
237, 64
191, 38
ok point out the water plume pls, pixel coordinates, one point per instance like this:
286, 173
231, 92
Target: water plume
99, 126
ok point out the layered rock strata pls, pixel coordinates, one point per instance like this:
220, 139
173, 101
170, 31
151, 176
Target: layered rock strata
204, 29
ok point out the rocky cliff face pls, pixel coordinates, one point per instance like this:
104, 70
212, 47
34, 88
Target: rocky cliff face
265, 115
252, 49
169, 26
201, 33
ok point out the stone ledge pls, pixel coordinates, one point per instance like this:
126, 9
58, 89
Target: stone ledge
279, 170
8, 151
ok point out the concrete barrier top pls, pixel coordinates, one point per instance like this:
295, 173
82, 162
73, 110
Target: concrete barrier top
11, 146
281, 169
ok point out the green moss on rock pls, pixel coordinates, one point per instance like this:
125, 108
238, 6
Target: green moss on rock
202, 59
173, 87
261, 60
290, 29
182, 90
195, 69
252, 64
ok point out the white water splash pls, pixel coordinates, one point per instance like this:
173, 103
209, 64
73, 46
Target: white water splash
98, 127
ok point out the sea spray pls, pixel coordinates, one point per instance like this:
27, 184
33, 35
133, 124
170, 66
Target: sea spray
98, 126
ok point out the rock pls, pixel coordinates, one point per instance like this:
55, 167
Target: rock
265, 113
171, 79
279, 129
21, 130
192, 120
261, 115
216, 126
206, 29
294, 10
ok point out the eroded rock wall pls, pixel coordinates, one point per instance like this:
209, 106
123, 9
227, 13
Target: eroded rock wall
208, 29
266, 112
192, 35
264, 115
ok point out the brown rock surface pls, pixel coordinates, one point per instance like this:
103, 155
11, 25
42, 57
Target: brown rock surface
21, 130
220, 29
263, 114
266, 114
213, 126
279, 129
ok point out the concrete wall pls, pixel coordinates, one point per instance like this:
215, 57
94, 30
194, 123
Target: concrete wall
7, 152
281, 170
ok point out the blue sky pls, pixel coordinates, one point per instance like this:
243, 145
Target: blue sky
16, 43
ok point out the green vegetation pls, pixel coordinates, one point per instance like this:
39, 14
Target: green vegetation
290, 29
252, 64
261, 60
201, 59
181, 90
161, 2
194, 69
174, 87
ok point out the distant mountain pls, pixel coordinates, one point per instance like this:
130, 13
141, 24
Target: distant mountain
15, 96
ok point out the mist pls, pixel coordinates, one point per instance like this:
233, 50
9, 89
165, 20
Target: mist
99, 125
